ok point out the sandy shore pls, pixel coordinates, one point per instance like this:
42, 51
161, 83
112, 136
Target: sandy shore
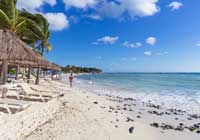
80, 115
86, 116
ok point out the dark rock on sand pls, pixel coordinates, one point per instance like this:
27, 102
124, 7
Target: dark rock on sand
95, 102
130, 99
156, 113
196, 126
129, 119
112, 108
189, 118
167, 126
167, 113
179, 128
155, 124
125, 108
153, 106
195, 116
192, 128
198, 131
134, 104
181, 124
131, 130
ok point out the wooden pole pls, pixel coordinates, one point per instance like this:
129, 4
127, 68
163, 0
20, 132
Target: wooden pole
4, 72
38, 76
29, 75
52, 73
23, 73
17, 72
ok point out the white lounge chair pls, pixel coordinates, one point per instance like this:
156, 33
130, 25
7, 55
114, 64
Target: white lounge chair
31, 80
28, 92
10, 104
47, 89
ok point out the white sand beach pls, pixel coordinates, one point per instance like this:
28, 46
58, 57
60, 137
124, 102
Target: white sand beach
80, 115
99, 70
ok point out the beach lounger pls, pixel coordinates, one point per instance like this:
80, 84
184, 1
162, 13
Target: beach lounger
12, 106
29, 80
28, 92
12, 86
50, 91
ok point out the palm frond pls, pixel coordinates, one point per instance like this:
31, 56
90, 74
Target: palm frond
4, 20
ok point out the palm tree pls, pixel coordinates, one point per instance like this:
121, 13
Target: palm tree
9, 16
38, 30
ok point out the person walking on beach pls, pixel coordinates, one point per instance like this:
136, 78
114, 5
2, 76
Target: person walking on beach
71, 79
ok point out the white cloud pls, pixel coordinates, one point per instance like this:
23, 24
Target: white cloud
140, 7
132, 45
175, 5
94, 16
82, 4
108, 39
33, 5
57, 21
151, 40
148, 53
134, 8
115, 9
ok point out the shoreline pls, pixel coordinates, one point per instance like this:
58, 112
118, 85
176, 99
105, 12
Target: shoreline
116, 118
82, 115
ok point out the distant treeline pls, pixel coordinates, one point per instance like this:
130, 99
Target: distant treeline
76, 69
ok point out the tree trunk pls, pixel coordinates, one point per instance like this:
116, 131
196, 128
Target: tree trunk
37, 77
4, 72
17, 72
29, 75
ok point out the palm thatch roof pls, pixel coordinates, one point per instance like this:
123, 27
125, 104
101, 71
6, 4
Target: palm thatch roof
16, 52
55, 67
13, 49
42, 62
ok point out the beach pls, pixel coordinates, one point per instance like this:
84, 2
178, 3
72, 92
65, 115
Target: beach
81, 115
99, 70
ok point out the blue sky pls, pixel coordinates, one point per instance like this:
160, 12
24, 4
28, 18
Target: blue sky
123, 35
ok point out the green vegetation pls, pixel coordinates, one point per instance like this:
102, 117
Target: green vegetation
9, 16
31, 28
76, 69
12, 71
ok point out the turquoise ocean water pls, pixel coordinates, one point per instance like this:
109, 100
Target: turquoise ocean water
180, 90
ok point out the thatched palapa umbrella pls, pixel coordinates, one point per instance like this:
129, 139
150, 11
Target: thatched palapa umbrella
55, 67
12, 49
